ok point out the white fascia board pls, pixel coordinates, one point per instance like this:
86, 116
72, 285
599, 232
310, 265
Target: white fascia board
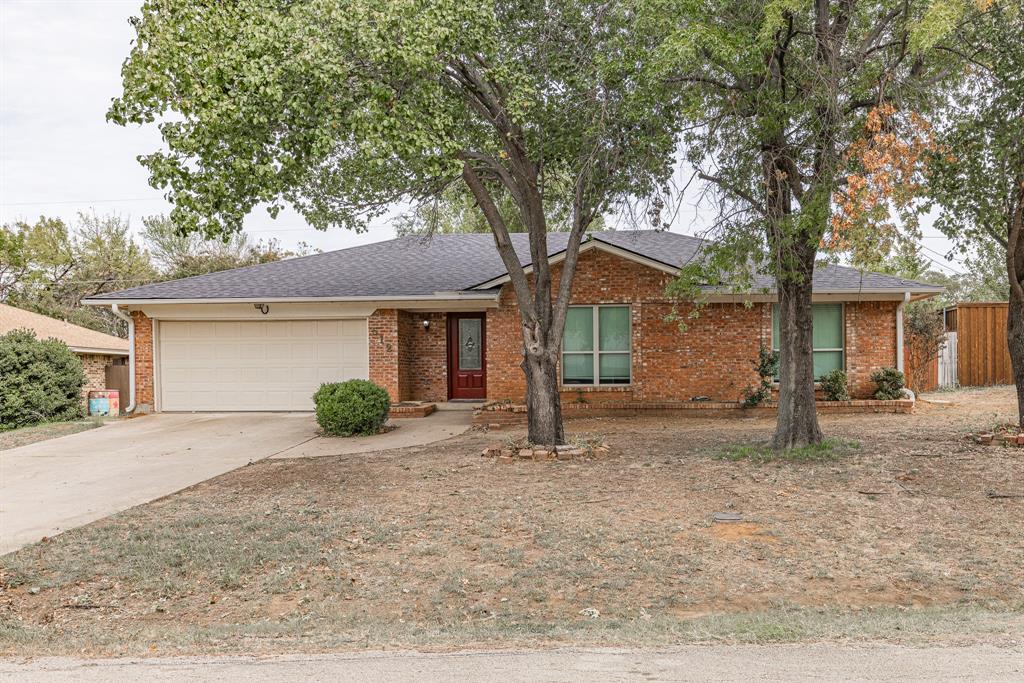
95, 351
875, 294
586, 246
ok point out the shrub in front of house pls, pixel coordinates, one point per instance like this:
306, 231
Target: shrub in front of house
835, 386
40, 381
355, 407
890, 383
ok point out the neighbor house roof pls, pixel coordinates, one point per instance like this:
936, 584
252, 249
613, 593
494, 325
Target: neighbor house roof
79, 339
457, 265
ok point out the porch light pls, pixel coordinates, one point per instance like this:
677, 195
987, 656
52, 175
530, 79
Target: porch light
426, 323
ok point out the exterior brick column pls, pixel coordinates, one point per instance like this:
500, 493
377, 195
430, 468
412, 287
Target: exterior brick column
382, 328
144, 402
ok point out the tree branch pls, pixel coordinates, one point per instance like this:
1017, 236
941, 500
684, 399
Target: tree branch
501, 239
728, 187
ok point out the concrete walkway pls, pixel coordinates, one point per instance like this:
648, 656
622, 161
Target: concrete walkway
818, 662
52, 486
440, 425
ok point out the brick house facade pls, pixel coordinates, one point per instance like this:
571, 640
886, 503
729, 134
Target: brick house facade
667, 352
710, 355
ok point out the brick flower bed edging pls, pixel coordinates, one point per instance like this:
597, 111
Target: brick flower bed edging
409, 409
496, 415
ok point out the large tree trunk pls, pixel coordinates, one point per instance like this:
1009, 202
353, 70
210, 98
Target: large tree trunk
1015, 314
797, 423
542, 320
543, 403
1015, 342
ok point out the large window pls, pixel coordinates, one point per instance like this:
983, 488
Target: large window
595, 348
828, 337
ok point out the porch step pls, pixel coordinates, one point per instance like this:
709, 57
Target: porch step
459, 405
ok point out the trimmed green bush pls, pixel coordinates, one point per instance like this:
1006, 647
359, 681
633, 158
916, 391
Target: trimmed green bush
40, 381
352, 407
835, 386
890, 383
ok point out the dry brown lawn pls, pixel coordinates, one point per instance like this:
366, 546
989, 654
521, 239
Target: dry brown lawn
43, 432
897, 539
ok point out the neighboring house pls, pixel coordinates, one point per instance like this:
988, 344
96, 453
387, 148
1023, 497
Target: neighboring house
436, 319
96, 350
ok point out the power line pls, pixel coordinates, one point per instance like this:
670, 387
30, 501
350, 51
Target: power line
85, 201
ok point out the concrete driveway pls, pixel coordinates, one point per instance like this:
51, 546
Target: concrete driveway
56, 485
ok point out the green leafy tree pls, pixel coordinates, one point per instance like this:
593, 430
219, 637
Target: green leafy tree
59, 266
978, 177
789, 101
14, 262
343, 108
178, 254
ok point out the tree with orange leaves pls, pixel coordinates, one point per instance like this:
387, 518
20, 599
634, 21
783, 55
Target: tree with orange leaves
792, 106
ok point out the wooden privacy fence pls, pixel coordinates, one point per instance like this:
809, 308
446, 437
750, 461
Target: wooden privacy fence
982, 356
974, 354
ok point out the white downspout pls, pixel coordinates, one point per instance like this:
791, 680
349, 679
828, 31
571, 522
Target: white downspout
899, 331
131, 357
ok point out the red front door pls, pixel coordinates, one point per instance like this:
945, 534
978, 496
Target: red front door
467, 355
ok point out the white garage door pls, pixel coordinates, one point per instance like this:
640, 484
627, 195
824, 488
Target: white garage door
272, 365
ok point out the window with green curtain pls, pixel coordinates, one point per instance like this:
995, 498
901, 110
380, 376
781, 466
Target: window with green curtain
596, 345
828, 337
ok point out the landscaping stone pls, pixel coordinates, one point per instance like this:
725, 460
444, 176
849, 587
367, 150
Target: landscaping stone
527, 452
728, 517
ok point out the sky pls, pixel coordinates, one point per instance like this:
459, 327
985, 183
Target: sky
60, 63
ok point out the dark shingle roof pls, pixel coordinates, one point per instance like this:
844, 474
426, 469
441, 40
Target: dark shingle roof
416, 266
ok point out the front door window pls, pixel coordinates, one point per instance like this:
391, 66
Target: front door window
469, 344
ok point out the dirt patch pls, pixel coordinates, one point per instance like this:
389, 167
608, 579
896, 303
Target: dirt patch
438, 545
742, 531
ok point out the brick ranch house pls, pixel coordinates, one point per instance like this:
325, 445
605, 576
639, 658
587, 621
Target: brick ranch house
96, 350
436, 320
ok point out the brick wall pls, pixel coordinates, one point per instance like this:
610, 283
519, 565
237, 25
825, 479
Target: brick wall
382, 328
711, 356
144, 402
95, 368
422, 356
870, 343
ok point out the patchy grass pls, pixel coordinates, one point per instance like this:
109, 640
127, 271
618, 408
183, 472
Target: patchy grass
828, 449
42, 432
438, 547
